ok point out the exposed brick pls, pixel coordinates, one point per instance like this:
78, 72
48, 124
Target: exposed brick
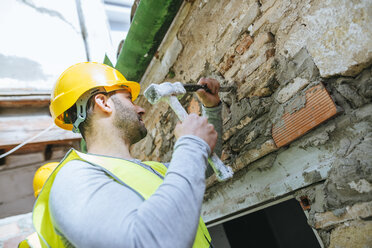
194, 107
357, 211
227, 135
254, 57
251, 65
244, 44
225, 155
262, 92
270, 53
257, 84
259, 42
250, 137
237, 24
227, 64
303, 113
245, 121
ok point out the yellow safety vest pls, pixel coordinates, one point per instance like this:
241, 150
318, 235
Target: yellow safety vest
125, 172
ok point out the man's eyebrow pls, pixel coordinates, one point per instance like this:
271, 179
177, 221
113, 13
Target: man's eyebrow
130, 93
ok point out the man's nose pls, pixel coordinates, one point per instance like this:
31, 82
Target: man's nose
140, 110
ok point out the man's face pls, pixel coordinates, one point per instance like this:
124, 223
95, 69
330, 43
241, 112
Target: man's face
128, 117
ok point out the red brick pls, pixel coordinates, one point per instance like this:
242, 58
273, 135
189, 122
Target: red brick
245, 43
303, 114
226, 65
194, 107
270, 53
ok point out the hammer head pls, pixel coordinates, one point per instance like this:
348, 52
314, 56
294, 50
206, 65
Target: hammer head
155, 92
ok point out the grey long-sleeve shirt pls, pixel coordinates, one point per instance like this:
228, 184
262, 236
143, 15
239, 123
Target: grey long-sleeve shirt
90, 209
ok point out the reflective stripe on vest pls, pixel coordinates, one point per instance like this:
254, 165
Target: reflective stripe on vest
31, 241
141, 180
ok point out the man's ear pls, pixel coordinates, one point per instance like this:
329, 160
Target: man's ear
103, 104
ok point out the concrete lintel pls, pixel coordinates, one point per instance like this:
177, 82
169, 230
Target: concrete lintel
265, 181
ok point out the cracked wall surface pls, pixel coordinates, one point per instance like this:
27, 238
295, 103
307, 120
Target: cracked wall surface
275, 51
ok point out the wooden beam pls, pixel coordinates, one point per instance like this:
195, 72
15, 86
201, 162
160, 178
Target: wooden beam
33, 100
15, 130
34, 147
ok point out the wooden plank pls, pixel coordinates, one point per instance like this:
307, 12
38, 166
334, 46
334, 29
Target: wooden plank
36, 153
15, 130
35, 147
33, 100
23, 92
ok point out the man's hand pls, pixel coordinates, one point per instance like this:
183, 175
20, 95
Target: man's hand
209, 100
198, 126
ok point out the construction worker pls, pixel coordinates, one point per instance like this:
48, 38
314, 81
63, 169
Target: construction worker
40, 177
107, 198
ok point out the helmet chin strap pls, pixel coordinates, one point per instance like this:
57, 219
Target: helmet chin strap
81, 103
81, 107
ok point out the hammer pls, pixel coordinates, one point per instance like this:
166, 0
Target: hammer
167, 92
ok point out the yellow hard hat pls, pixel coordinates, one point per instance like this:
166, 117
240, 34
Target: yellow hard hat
41, 175
80, 78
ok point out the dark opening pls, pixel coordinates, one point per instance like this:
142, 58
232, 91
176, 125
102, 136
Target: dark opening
2, 160
305, 202
281, 226
48, 152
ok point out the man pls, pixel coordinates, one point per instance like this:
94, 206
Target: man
106, 198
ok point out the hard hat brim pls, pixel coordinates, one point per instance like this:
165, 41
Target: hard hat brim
58, 120
79, 79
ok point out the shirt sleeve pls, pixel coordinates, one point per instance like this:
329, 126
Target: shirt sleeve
90, 209
214, 117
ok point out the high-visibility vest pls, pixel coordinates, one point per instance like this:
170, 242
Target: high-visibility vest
128, 173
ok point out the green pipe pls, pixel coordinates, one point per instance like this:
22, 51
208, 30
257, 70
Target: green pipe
148, 28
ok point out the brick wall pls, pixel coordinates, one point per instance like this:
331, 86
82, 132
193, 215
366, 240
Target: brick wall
299, 122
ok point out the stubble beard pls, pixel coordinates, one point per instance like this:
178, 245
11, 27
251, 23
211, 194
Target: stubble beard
127, 121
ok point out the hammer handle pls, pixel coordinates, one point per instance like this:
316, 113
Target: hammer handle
177, 107
222, 171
